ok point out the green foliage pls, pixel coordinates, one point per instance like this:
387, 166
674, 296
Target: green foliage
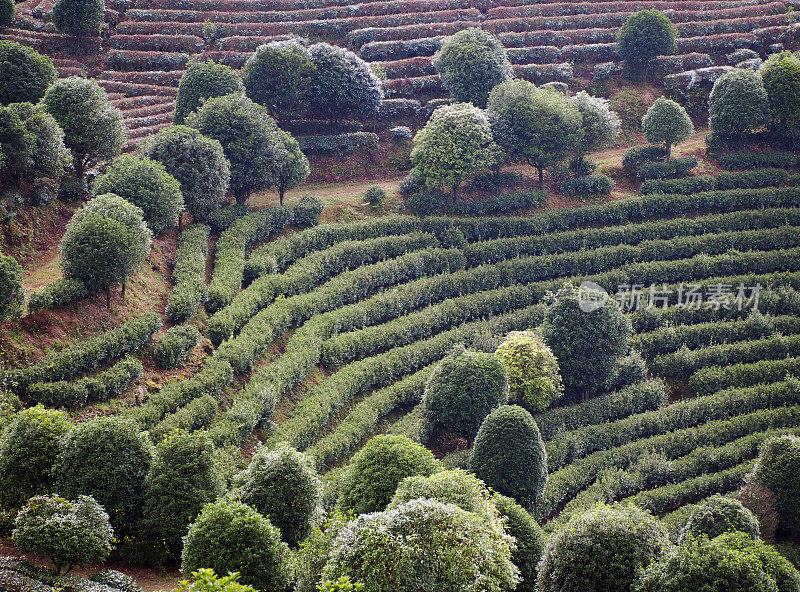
533, 376
738, 105
173, 346
471, 63
602, 550
306, 211
93, 127
777, 567
12, 291
314, 551
205, 580
28, 450
25, 73
663, 170
394, 551
343, 584
746, 159
588, 186
107, 458
717, 515
509, 455
529, 537
279, 76
375, 471
231, 537
424, 202
6, 12
586, 344
203, 81
645, 35
600, 126
197, 163
666, 122
116, 579
456, 142
78, 17
641, 154
283, 486
375, 197
189, 273
505, 203
290, 166
781, 76
777, 469
68, 532
464, 388
456, 487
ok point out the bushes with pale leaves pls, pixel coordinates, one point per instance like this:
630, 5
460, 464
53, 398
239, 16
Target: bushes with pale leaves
534, 378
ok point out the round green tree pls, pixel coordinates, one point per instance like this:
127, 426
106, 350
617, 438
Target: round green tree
232, 537
283, 486
290, 166
645, 35
538, 126
529, 537
776, 469
25, 73
107, 458
28, 450
454, 144
738, 105
68, 532
93, 127
600, 126
587, 339
78, 17
146, 184
375, 471
774, 564
471, 63
667, 123
7, 10
197, 163
12, 291
463, 388
423, 545
203, 81
602, 551
279, 76
534, 379
781, 76
717, 515
509, 455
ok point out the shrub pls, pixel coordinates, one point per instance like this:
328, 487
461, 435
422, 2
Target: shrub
664, 170
25, 73
738, 105
455, 487
529, 537
12, 292
171, 349
509, 455
205, 580
644, 36
70, 533
6, 12
781, 76
599, 124
196, 162
189, 274
78, 17
315, 550
28, 450
628, 370
306, 211
375, 197
602, 550
641, 154
717, 515
745, 159
375, 471
232, 537
225, 216
203, 81
592, 186
394, 550
506, 203
777, 469
282, 485
463, 388
533, 376
117, 580
107, 458
666, 122
684, 186
290, 166
471, 63
424, 202
93, 127
777, 567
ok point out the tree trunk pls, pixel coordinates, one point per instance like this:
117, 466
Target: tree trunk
281, 191
455, 193
240, 198
80, 166
124, 284
541, 177
108, 297
669, 151
180, 224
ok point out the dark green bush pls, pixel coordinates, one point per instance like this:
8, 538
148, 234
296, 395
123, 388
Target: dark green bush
12, 293
203, 81
25, 73
6, 12
375, 197
777, 469
738, 106
640, 154
669, 168
717, 515
189, 274
306, 211
223, 217
781, 76
746, 159
530, 540
78, 17
424, 202
506, 203
591, 186
644, 36
171, 349
685, 186
494, 180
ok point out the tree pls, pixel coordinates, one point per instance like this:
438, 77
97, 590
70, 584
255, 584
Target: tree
536, 125
717, 515
146, 184
645, 35
471, 63
509, 455
781, 76
586, 340
602, 550
28, 451
423, 545
455, 143
529, 537
197, 163
104, 242
773, 563
279, 76
344, 85
463, 388
283, 486
25, 73
666, 122
68, 532
93, 128
776, 469
203, 81
78, 17
306, 211
12, 292
107, 458
534, 379
289, 166
375, 471
599, 124
248, 136
7, 10
230, 537
738, 105
183, 478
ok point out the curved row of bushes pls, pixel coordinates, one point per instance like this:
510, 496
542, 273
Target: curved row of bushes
58, 293
189, 274
768, 177
714, 378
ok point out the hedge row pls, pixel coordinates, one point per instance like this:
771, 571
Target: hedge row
347, 143
641, 154
85, 357
195, 415
714, 378
746, 159
58, 293
416, 425
500, 204
77, 393
231, 246
171, 349
666, 169
769, 177
189, 274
